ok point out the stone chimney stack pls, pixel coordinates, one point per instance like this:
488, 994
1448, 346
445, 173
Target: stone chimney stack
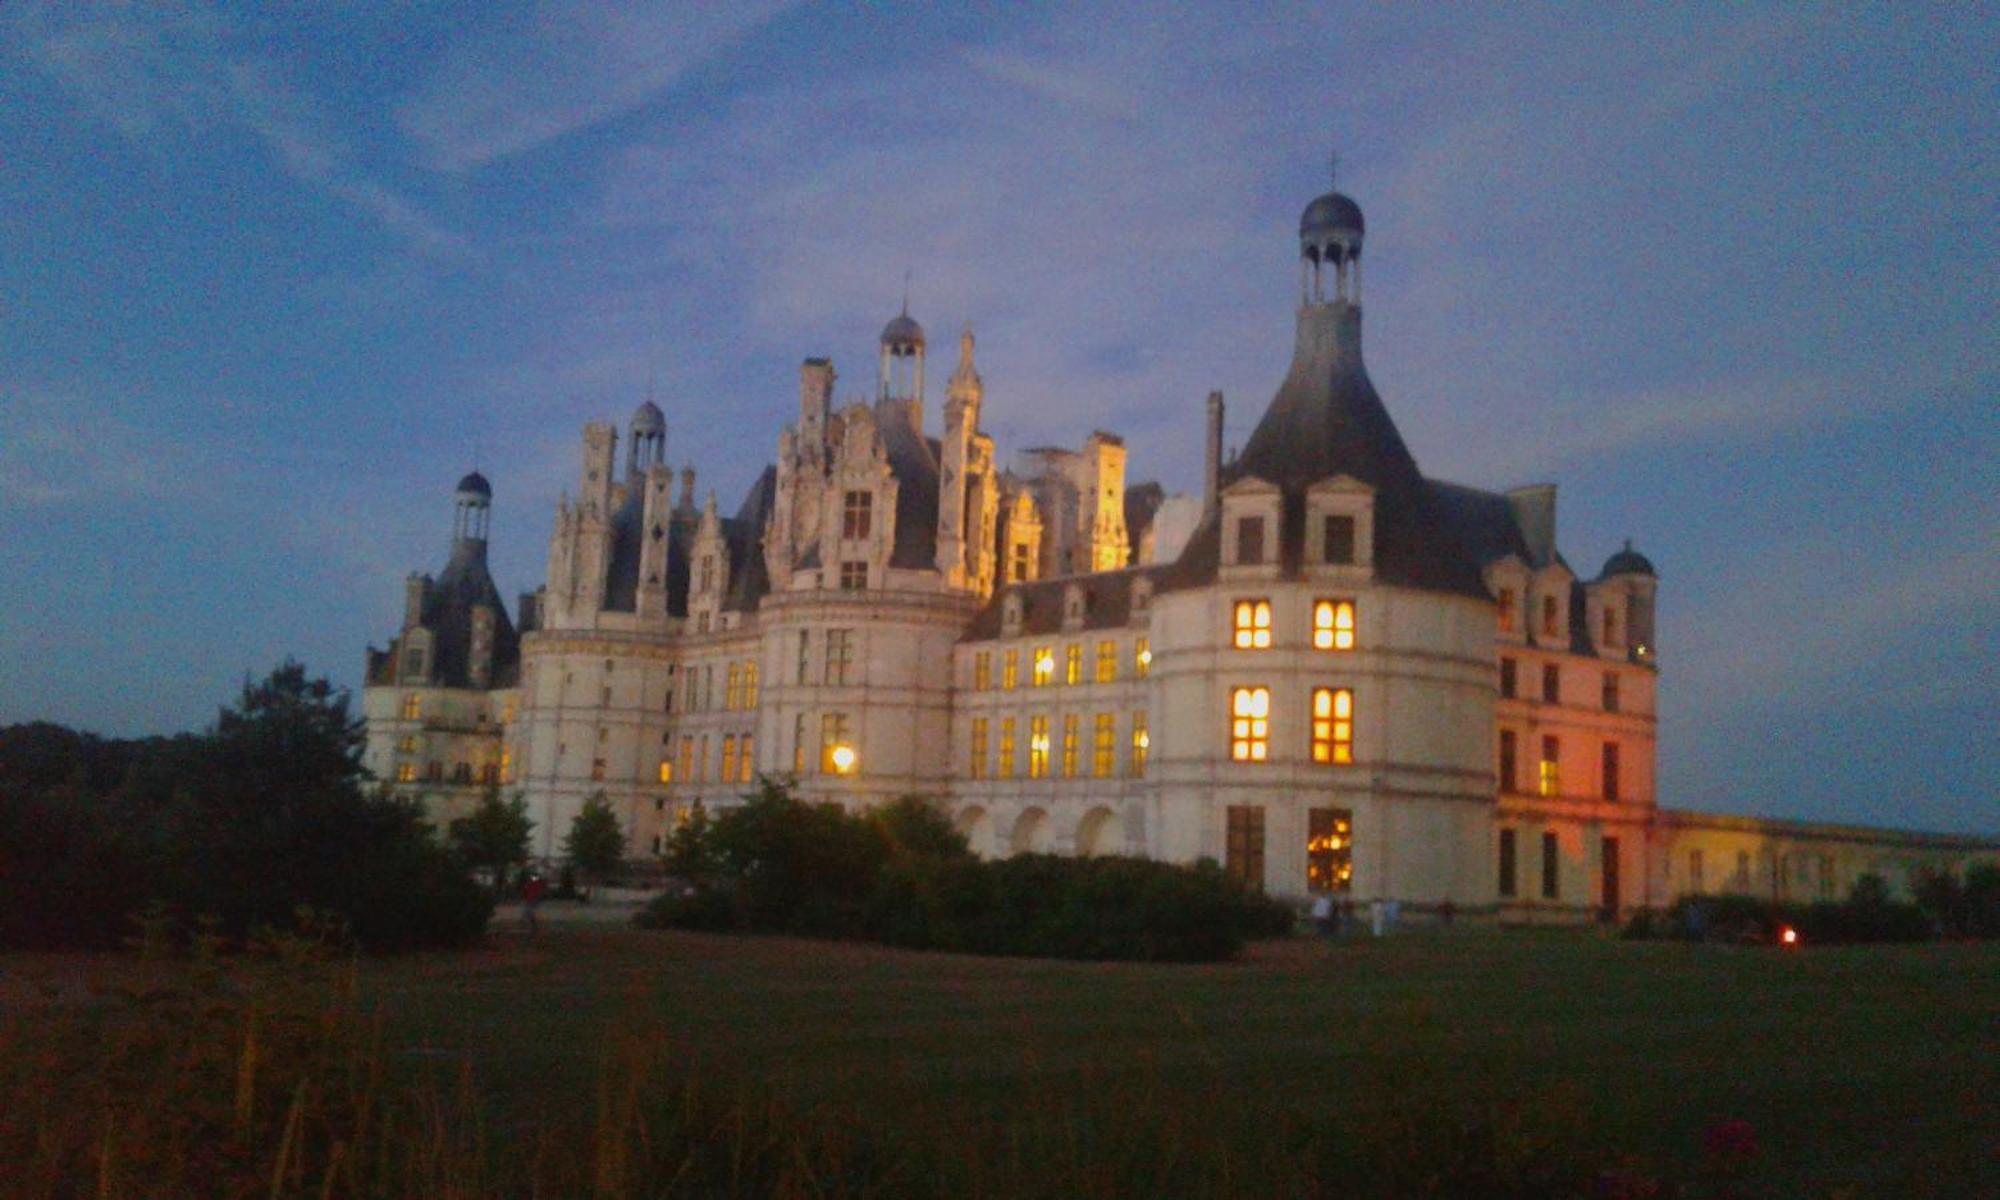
1211, 481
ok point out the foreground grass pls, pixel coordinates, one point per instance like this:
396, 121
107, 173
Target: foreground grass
544, 1066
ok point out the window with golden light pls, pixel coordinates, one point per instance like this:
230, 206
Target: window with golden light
1142, 657
833, 739
1142, 744
1551, 776
1107, 661
1252, 625
1006, 764
1104, 746
1073, 663
1069, 746
745, 759
1038, 747
728, 757
978, 764
1010, 670
666, 770
1333, 725
982, 671
1333, 625
413, 706
732, 692
1045, 666
1250, 724
1329, 850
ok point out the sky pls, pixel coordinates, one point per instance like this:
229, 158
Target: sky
274, 280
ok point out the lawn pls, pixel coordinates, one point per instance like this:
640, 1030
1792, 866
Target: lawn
1868, 1071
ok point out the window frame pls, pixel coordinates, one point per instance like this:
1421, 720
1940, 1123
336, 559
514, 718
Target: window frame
1250, 723
1250, 623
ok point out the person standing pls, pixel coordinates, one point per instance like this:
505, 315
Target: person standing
532, 892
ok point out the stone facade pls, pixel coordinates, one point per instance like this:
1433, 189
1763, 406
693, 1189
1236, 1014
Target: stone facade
1329, 672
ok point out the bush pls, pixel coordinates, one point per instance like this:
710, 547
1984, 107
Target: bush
901, 874
1868, 916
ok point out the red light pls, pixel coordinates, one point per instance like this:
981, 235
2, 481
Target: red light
1788, 935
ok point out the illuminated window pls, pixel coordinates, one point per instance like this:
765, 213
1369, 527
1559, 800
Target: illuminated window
1073, 663
407, 744
982, 671
1611, 772
1069, 748
1611, 691
978, 768
1337, 546
666, 770
728, 757
745, 758
413, 706
1250, 540
1551, 684
1329, 850
1508, 753
1038, 747
1045, 666
1548, 616
749, 685
1142, 742
733, 692
1333, 725
406, 772
1104, 747
833, 737
1550, 861
686, 767
1509, 678
597, 768
1506, 610
1006, 748
1333, 625
1506, 862
839, 654
1107, 661
853, 576
506, 764
857, 513
1252, 625
1010, 670
1551, 779
1142, 657
1250, 724
1244, 848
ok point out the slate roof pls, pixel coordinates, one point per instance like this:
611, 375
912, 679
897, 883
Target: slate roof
913, 459
742, 534
1107, 602
464, 584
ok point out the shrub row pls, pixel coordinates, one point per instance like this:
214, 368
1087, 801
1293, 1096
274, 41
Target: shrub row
1869, 915
901, 875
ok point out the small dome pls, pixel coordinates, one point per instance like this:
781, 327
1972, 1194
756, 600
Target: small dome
903, 330
475, 485
1330, 214
648, 418
1628, 562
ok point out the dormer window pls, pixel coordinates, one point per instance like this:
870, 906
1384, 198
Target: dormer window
1142, 595
1550, 625
857, 515
1507, 610
1249, 540
1010, 616
1075, 605
1610, 625
1337, 540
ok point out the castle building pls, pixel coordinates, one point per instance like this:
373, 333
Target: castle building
1329, 672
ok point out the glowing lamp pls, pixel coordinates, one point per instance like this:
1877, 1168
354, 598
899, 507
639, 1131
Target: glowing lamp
843, 759
1788, 936
1145, 658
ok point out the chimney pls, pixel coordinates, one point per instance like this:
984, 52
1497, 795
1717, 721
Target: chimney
1534, 510
479, 664
416, 590
687, 488
1211, 482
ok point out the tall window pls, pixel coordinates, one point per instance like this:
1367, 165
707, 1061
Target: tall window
1550, 865
686, 768
413, 706
1142, 744
1069, 747
839, 654
406, 772
1506, 862
750, 685
1019, 558
805, 655
701, 759
1508, 753
1045, 666
745, 760
506, 764
1107, 661
1142, 657
1252, 625
857, 515
982, 671
1329, 850
1611, 772
799, 744
832, 735
1611, 691
1010, 670
1506, 610
1073, 663
666, 770
1104, 746
1006, 748
1551, 778
1250, 540
1333, 725
1509, 678
728, 758
1548, 616
1244, 849
1333, 625
1338, 544
853, 576
978, 766
1551, 684
1250, 724
596, 768
1610, 626
732, 694
1038, 747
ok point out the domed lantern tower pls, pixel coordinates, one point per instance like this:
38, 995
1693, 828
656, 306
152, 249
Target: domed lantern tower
471, 509
648, 445
903, 358
1330, 233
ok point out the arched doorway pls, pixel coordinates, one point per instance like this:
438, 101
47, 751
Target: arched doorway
977, 826
1031, 833
1099, 833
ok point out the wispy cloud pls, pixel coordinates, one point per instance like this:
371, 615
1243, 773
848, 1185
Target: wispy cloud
507, 91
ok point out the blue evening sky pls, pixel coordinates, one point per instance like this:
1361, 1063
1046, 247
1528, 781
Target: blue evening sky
273, 282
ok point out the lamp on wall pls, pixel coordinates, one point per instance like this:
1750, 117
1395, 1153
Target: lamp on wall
844, 759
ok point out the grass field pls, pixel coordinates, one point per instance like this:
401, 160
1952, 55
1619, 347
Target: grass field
1862, 1071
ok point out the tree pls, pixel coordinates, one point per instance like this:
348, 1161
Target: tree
690, 853
495, 836
595, 845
